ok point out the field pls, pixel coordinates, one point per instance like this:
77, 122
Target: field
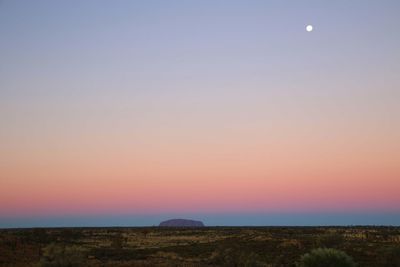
208, 246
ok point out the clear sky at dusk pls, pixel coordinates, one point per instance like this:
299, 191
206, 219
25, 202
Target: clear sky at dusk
127, 112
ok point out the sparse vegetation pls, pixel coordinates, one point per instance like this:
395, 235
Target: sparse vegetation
208, 246
390, 257
58, 255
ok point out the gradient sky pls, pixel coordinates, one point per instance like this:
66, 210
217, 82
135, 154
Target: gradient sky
226, 111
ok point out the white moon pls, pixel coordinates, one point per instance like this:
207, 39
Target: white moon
309, 28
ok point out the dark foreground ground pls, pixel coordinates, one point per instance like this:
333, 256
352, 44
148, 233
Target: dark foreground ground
209, 246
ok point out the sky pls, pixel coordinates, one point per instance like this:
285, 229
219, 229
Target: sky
130, 112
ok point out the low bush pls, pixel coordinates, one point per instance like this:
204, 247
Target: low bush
56, 255
326, 257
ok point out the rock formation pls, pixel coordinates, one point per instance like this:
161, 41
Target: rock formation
181, 223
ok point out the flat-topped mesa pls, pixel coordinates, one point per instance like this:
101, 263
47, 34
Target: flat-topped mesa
181, 223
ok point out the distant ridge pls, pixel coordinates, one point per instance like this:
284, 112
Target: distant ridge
181, 223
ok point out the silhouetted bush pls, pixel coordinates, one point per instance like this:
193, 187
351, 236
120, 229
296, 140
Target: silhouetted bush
330, 240
70, 235
233, 257
118, 241
390, 257
326, 257
63, 256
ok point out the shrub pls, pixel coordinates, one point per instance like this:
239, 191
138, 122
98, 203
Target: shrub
389, 257
62, 256
232, 257
118, 241
330, 240
326, 257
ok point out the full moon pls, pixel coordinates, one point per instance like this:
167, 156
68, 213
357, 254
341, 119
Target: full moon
309, 28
